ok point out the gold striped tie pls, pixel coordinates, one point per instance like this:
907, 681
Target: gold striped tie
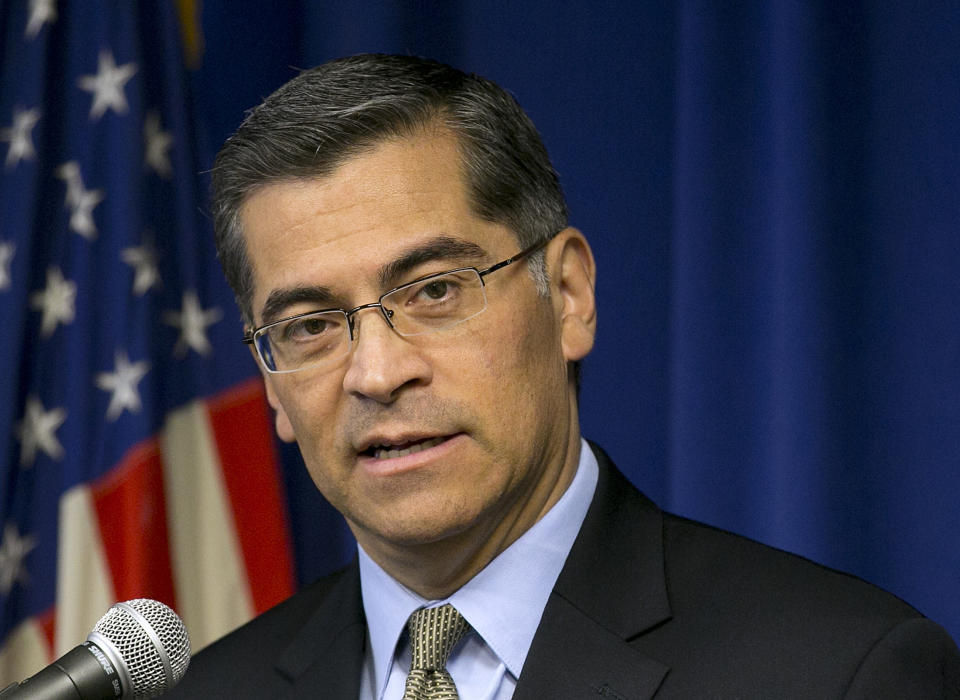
434, 633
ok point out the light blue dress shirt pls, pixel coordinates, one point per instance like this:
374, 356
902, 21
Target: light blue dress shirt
503, 604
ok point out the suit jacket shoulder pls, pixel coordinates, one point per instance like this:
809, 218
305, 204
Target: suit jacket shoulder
665, 607
309, 646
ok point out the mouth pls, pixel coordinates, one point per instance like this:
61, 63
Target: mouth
393, 450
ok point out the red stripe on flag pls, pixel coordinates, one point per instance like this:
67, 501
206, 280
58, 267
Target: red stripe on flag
132, 513
47, 622
242, 428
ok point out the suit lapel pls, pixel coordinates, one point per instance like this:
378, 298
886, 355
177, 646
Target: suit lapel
611, 589
574, 657
326, 657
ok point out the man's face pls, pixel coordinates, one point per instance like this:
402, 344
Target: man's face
487, 403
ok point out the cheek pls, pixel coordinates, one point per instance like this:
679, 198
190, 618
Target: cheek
505, 366
482, 361
537, 355
308, 403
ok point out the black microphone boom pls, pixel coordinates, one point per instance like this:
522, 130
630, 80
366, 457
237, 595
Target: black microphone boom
139, 649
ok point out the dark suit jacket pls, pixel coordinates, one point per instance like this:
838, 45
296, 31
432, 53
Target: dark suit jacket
647, 605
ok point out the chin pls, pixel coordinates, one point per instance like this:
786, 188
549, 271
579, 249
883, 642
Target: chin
412, 528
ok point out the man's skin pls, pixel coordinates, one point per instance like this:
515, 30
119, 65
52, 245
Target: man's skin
494, 395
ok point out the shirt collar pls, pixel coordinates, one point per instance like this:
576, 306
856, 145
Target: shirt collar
505, 601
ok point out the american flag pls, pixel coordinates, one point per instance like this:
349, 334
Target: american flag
136, 454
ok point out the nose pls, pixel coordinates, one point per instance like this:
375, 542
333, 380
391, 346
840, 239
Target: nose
382, 362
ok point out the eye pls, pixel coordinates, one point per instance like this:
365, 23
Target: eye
310, 328
436, 289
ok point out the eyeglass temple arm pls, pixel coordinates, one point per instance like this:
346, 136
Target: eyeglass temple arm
523, 253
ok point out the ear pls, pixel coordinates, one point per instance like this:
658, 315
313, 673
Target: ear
572, 281
282, 422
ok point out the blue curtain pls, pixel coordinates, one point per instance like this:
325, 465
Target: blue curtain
772, 190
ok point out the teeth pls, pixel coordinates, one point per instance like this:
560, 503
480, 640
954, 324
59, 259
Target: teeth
388, 453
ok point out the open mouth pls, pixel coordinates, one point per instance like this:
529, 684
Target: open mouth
402, 450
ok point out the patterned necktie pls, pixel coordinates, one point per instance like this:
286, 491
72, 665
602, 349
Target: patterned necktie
433, 635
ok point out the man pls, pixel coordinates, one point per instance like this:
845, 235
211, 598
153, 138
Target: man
398, 244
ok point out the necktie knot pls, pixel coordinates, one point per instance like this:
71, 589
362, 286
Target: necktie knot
434, 632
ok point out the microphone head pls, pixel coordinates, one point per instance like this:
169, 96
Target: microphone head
147, 643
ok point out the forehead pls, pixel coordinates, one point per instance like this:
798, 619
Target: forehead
342, 228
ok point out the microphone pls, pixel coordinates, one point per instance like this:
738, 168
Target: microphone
139, 649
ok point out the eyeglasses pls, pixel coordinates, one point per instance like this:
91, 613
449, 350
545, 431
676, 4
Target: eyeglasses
433, 303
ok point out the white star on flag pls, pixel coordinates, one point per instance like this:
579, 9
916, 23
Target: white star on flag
69, 172
157, 143
107, 85
123, 383
80, 200
41, 12
81, 218
38, 430
20, 136
7, 249
13, 550
56, 302
192, 321
143, 259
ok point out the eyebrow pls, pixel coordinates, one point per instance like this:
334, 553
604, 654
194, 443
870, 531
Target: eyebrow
389, 275
279, 300
438, 248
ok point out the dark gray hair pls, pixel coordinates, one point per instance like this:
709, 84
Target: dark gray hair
343, 108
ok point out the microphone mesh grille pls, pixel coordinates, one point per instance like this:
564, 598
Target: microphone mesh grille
141, 655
